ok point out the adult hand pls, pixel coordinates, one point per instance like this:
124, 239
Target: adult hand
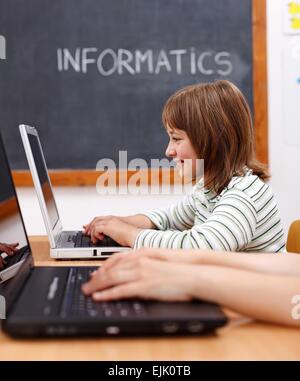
192, 256
142, 277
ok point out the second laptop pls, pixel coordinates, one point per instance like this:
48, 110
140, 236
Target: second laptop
63, 244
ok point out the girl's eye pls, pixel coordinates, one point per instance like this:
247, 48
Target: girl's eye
175, 139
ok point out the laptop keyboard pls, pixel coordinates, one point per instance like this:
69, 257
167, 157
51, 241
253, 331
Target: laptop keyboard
82, 240
75, 303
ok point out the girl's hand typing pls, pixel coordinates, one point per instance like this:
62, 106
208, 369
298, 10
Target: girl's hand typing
90, 226
123, 233
138, 220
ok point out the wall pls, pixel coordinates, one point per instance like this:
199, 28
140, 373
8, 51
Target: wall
79, 205
284, 158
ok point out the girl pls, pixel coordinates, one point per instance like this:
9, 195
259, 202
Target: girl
230, 208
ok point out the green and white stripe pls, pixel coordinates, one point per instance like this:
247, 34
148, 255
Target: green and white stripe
244, 217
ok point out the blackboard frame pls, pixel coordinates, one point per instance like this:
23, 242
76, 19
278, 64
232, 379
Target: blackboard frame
89, 177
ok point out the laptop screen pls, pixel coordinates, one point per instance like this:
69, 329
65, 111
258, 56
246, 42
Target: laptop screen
12, 231
44, 179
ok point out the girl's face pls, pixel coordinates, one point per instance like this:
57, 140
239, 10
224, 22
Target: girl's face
180, 149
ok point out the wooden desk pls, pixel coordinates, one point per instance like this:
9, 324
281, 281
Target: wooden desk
249, 341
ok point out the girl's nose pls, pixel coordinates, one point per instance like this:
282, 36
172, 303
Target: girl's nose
170, 152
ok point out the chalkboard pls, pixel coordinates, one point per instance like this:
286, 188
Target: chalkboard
92, 76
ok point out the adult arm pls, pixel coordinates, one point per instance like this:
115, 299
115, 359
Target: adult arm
261, 296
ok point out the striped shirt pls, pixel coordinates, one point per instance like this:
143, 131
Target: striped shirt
243, 217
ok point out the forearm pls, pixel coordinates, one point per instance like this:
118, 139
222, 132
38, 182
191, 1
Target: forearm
276, 264
138, 220
260, 296
168, 239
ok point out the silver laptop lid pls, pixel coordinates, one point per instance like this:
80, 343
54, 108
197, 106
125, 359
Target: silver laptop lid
42, 183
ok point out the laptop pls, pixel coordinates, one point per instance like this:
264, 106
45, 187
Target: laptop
63, 244
47, 301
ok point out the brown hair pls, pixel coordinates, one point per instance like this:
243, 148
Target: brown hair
218, 122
